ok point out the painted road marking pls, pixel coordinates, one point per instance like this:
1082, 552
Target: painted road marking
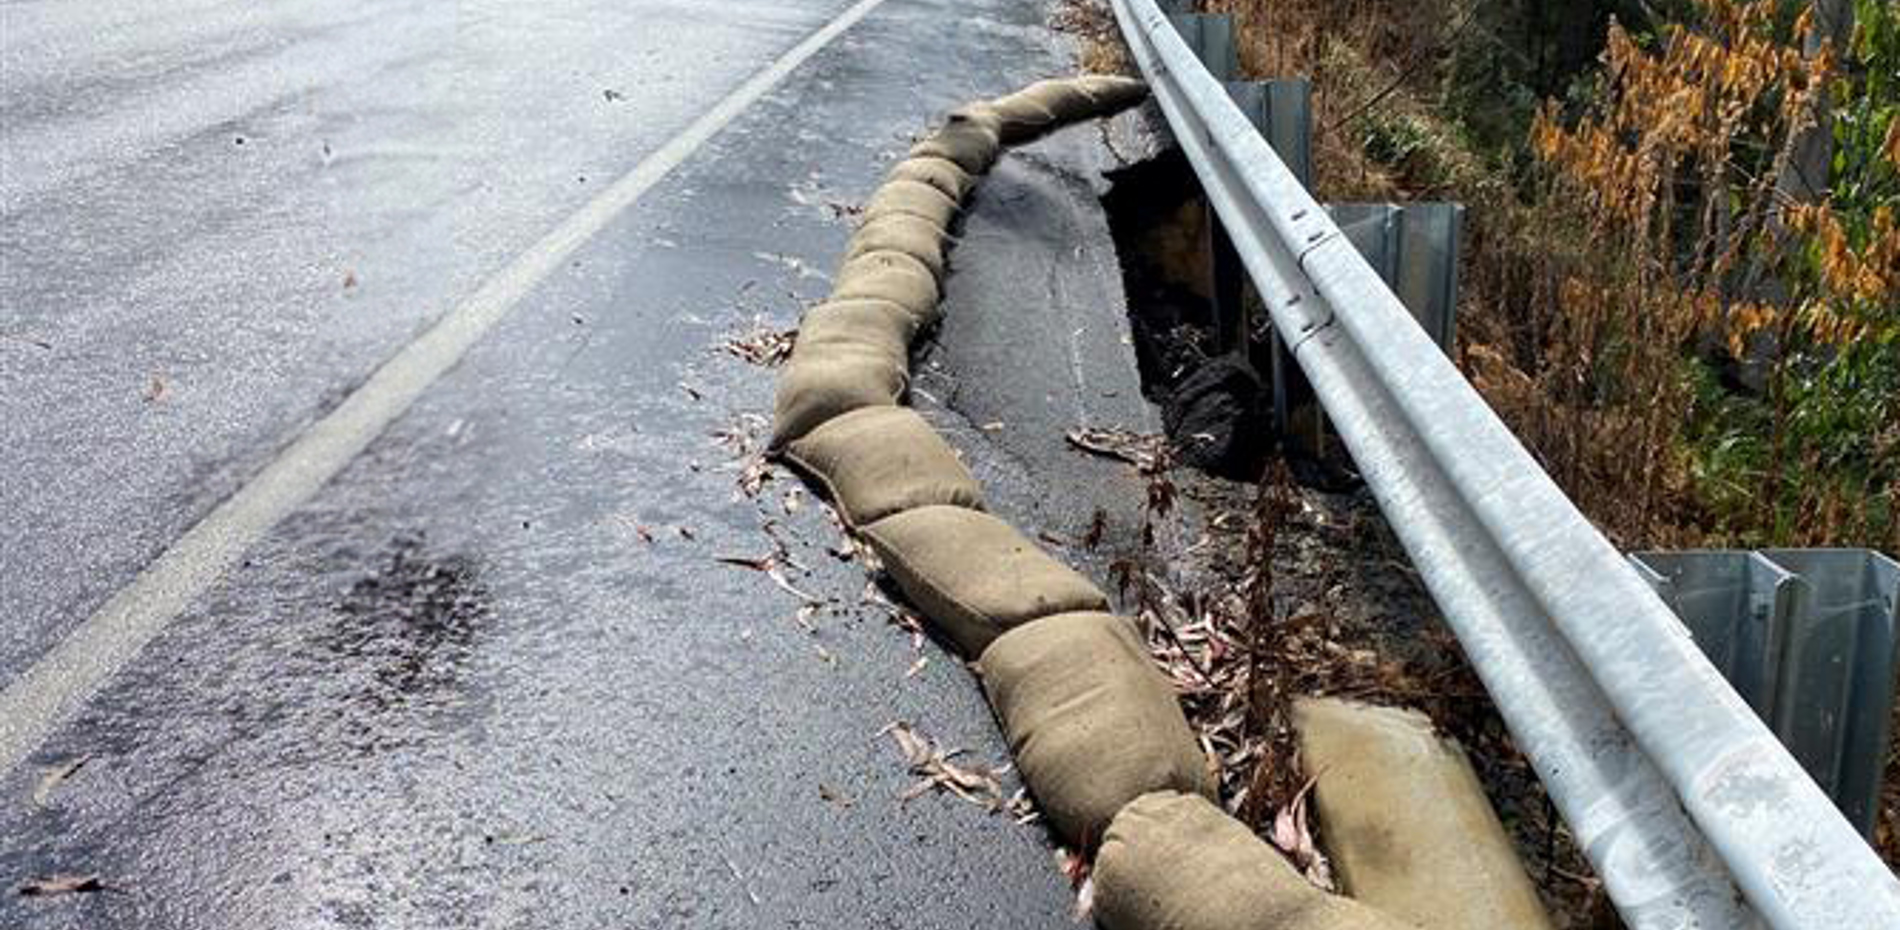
71, 672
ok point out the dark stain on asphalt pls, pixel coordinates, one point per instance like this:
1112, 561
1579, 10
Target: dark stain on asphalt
409, 626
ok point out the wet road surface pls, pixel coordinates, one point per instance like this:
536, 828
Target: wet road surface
493, 674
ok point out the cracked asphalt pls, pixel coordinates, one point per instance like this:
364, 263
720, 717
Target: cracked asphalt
493, 673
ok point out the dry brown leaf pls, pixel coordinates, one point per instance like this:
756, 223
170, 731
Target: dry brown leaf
1293, 834
61, 884
759, 564
1142, 450
975, 784
1076, 868
54, 777
761, 344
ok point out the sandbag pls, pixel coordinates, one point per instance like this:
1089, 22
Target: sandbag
1112, 93
1389, 790
1045, 106
974, 576
878, 461
894, 277
972, 145
822, 381
1023, 115
940, 173
1176, 861
1091, 722
875, 324
918, 238
904, 197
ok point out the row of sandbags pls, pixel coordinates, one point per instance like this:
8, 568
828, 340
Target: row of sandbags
1094, 726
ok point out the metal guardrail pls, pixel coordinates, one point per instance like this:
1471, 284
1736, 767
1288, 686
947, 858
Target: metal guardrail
1674, 789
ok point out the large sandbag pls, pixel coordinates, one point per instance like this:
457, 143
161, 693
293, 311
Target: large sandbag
975, 576
874, 324
878, 461
972, 144
894, 277
1045, 106
823, 381
1390, 790
905, 197
918, 238
940, 173
1092, 723
1175, 861
1024, 115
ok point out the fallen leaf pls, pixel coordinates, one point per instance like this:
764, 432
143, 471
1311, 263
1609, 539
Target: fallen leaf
760, 564
1076, 869
1142, 450
778, 578
1293, 834
1084, 901
157, 390
833, 795
806, 616
761, 345
28, 340
975, 784
61, 884
54, 777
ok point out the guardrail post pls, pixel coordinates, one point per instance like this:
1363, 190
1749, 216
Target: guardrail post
1414, 247
1810, 638
1282, 110
1211, 36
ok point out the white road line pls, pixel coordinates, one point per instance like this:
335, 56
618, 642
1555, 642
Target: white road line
62, 680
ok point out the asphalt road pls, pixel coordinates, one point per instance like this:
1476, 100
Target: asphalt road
492, 672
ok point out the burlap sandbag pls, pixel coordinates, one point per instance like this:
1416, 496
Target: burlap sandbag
975, 576
904, 197
879, 461
973, 145
1175, 861
822, 381
910, 235
1092, 723
1045, 106
894, 277
876, 324
1389, 789
940, 173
